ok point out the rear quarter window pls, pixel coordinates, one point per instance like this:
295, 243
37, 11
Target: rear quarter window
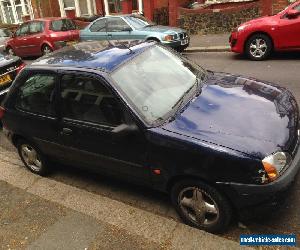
62, 25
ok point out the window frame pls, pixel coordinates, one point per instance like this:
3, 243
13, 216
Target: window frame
116, 18
23, 79
105, 21
106, 127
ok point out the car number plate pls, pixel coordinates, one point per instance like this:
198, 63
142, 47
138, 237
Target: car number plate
184, 42
5, 79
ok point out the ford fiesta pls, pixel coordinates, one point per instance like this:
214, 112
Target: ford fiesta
216, 142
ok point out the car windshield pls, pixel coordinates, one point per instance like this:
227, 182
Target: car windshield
63, 25
5, 33
158, 81
138, 22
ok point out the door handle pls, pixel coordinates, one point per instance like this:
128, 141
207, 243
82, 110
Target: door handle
109, 35
66, 131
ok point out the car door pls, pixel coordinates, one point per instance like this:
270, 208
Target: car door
35, 37
97, 31
20, 40
35, 111
118, 29
90, 115
289, 31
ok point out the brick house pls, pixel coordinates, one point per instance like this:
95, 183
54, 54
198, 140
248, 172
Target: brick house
162, 11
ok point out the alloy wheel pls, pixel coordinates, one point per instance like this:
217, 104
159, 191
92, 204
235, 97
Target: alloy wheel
198, 206
31, 157
46, 50
258, 48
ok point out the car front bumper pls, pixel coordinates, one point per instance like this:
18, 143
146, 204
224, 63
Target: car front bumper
249, 195
236, 43
177, 43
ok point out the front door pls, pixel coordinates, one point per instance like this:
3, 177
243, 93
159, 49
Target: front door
35, 38
21, 44
90, 113
289, 31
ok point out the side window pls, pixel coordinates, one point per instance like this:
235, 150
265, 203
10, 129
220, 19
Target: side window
37, 94
297, 7
99, 26
116, 25
36, 27
24, 30
87, 99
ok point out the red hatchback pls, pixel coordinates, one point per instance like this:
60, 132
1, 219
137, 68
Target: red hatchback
41, 36
259, 37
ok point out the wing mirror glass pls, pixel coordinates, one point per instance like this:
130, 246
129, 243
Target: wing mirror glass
128, 29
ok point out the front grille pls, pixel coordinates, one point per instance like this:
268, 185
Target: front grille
12, 69
182, 35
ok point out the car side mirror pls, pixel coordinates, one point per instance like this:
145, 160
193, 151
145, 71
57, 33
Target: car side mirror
292, 13
124, 129
128, 29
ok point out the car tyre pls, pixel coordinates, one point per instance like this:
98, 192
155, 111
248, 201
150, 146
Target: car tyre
10, 51
201, 205
32, 158
259, 47
46, 49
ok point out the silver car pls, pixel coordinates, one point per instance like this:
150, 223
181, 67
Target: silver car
134, 27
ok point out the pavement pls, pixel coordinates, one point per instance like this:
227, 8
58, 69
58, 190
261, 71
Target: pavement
209, 43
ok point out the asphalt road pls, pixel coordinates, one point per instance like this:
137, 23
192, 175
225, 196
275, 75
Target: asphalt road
282, 69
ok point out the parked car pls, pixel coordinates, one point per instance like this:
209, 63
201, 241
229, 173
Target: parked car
10, 66
5, 34
259, 37
134, 27
216, 142
42, 36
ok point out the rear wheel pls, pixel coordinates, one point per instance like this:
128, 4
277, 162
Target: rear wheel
259, 47
201, 206
32, 158
46, 49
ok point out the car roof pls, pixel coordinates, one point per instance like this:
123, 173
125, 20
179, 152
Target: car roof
47, 19
103, 55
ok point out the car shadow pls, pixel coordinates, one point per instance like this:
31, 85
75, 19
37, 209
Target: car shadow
274, 56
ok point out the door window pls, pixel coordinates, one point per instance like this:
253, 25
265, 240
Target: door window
116, 25
37, 94
24, 30
99, 26
36, 27
87, 99
297, 7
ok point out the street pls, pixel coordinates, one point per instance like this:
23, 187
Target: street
281, 69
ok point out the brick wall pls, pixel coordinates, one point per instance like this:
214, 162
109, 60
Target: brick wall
279, 5
217, 20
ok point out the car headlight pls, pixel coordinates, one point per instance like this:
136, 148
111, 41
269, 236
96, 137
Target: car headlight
169, 38
242, 27
274, 164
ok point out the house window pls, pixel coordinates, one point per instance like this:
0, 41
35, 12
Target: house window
115, 6
69, 4
14, 10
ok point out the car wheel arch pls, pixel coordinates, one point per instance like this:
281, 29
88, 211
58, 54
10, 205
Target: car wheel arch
153, 39
259, 33
179, 178
45, 43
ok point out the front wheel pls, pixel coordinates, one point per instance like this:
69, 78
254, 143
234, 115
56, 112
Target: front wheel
46, 49
201, 206
258, 47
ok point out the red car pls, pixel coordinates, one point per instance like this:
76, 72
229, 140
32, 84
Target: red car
42, 36
259, 37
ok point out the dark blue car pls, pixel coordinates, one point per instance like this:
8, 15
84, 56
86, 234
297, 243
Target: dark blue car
216, 142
